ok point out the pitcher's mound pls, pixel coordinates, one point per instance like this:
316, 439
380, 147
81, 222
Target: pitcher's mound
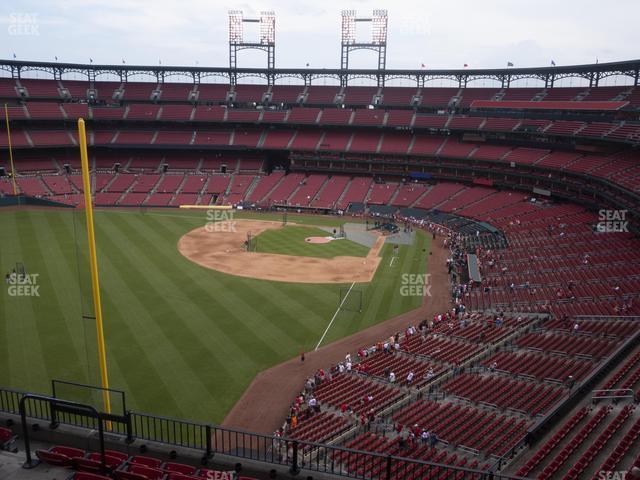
318, 239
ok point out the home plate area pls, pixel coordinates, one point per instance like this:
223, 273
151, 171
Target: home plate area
318, 240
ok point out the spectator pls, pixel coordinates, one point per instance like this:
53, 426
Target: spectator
429, 375
410, 378
392, 377
570, 382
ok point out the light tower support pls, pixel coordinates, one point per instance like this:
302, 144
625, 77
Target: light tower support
378, 42
266, 42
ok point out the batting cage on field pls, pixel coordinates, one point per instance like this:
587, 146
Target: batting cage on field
351, 299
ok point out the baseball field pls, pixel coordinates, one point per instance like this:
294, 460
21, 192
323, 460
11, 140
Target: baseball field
184, 336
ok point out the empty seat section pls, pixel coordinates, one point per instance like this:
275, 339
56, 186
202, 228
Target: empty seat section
264, 186
247, 138
176, 92
393, 142
287, 94
284, 190
335, 116
138, 90
368, 117
249, 93
321, 95
308, 190
400, 96
331, 192
45, 110
438, 194
381, 193
278, 139
359, 95
426, 145
212, 137
335, 140
364, 142
41, 88
437, 97
212, 92
174, 137
356, 192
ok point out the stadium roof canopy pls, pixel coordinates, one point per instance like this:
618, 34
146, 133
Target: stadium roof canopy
593, 73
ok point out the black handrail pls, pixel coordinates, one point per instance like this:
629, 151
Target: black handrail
295, 454
74, 407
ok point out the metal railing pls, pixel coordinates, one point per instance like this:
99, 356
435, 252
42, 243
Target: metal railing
209, 439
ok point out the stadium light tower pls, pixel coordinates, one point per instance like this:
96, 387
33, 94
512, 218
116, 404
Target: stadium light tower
378, 41
266, 41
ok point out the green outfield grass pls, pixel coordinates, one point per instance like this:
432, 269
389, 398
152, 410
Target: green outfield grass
289, 240
182, 340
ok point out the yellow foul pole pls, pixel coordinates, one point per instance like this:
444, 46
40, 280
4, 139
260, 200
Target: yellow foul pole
13, 172
82, 136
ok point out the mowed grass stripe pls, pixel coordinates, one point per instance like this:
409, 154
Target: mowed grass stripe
11, 353
152, 295
7, 242
230, 307
56, 284
252, 350
167, 290
411, 261
163, 344
26, 336
69, 291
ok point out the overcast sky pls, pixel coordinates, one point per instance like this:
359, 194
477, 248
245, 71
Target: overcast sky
439, 34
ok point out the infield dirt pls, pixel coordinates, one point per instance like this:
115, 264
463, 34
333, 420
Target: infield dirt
221, 246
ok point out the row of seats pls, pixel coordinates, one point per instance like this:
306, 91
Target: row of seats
343, 117
320, 428
576, 345
441, 349
576, 441
504, 392
351, 390
627, 376
617, 328
370, 468
352, 95
551, 445
466, 425
121, 466
539, 365
620, 168
7, 439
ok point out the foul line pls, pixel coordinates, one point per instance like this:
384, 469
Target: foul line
334, 316
392, 259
